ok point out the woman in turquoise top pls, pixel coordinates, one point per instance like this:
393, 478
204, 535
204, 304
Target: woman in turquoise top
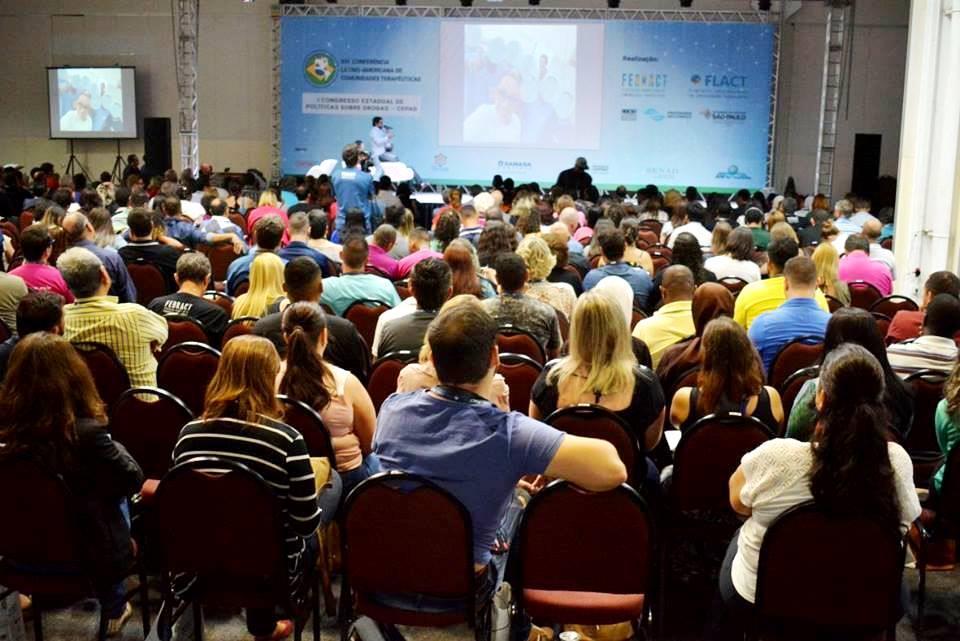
947, 422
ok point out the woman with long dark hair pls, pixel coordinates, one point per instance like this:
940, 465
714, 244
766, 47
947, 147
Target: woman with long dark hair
461, 258
851, 325
848, 469
687, 252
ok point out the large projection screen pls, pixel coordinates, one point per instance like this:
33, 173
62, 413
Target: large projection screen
92, 102
662, 102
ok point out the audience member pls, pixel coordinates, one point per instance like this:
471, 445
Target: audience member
38, 311
540, 262
318, 238
735, 260
266, 287
268, 206
812, 234
192, 278
470, 227
719, 237
462, 259
571, 219
827, 261
799, 316
419, 243
133, 332
299, 230
355, 284
267, 234
446, 230
183, 228
558, 247
497, 238
673, 321
857, 265
947, 424
79, 233
907, 324
686, 252
143, 247
695, 215
753, 219
36, 271
633, 254
431, 287
730, 380
862, 215
935, 347
242, 422
872, 229
842, 213
612, 245
384, 238
516, 308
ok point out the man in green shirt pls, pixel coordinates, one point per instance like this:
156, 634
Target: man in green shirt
754, 220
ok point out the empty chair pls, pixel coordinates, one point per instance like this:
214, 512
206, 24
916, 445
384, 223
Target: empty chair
890, 305
863, 294
184, 329
660, 260
109, 374
516, 340
384, 373
148, 279
799, 353
520, 372
593, 421
239, 327
185, 370
364, 314
147, 421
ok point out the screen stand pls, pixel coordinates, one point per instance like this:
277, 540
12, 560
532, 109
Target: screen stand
116, 174
74, 163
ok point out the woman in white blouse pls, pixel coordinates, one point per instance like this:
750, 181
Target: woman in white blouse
847, 468
737, 261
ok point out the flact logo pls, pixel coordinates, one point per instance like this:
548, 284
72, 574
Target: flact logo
719, 81
732, 173
653, 114
320, 68
695, 79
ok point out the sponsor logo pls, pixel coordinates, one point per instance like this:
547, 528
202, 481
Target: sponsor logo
440, 160
599, 169
628, 114
725, 82
724, 116
695, 79
320, 68
640, 59
732, 173
653, 114
514, 164
656, 81
682, 115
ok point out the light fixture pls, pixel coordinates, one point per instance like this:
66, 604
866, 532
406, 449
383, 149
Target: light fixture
686, 4
613, 4
466, 3
763, 5
401, 3
534, 3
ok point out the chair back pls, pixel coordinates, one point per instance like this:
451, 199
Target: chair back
148, 279
38, 526
686, 379
863, 294
890, 305
647, 238
109, 374
707, 456
382, 381
636, 316
660, 260
184, 329
220, 256
948, 506
593, 421
564, 325
833, 304
520, 372
221, 300
653, 225
792, 386
882, 321
429, 549
572, 269
611, 532
185, 370
237, 219
26, 219
5, 332
239, 327
12, 232
364, 314
516, 340
733, 284
820, 574
242, 288
307, 421
799, 353
147, 421
403, 289
927, 388
887, 243
220, 521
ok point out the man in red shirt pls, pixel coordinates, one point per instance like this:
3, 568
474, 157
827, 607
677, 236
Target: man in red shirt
907, 324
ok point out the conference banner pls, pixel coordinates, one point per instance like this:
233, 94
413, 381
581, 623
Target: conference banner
668, 103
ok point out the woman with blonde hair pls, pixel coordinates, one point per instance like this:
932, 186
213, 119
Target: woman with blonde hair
266, 286
783, 230
718, 241
268, 205
540, 262
422, 375
243, 422
601, 369
827, 260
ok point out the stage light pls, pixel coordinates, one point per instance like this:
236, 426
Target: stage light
466, 3
763, 5
534, 3
686, 4
401, 3
613, 4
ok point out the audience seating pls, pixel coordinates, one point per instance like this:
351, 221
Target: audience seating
26, 219
516, 340
921, 440
733, 284
5, 332
791, 388
384, 373
429, 550
12, 232
185, 370
239, 327
223, 301
307, 421
237, 219
646, 237
821, 576
799, 353
687, 379
242, 288
147, 421
364, 314
883, 322
887, 243
653, 225
665, 251
863, 294
40, 530
564, 324
184, 329
148, 279
890, 305
595, 261
833, 303
636, 316
376, 271
520, 372
220, 255
225, 528
109, 374
660, 259
572, 269
594, 421
565, 572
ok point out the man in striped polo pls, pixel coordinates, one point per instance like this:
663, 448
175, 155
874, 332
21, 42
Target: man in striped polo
935, 348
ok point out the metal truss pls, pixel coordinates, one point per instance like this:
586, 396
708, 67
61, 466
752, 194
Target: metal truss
186, 29
774, 96
275, 28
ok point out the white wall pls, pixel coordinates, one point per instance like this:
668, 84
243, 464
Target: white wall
236, 75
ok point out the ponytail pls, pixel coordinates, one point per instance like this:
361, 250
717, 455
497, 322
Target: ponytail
303, 380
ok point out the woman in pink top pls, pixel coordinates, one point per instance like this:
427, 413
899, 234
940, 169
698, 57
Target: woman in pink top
267, 206
339, 397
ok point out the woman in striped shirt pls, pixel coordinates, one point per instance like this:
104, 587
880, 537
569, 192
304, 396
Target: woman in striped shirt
242, 422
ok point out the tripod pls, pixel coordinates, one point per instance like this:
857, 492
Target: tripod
119, 164
74, 163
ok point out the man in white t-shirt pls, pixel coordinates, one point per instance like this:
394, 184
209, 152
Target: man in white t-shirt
499, 121
694, 225
80, 118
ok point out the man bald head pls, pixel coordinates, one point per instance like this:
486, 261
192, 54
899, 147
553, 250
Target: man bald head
678, 284
872, 230
570, 217
77, 227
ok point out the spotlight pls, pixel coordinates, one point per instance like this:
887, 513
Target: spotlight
401, 3
534, 3
686, 4
613, 4
763, 5
466, 3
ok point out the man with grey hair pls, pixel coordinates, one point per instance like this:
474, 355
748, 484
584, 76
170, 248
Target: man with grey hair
193, 278
80, 233
570, 218
843, 211
298, 228
133, 332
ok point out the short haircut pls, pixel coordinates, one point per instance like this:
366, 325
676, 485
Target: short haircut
942, 282
696, 213
943, 316
299, 224
800, 271
140, 222
856, 242
268, 231
612, 244
385, 236
122, 196
511, 272
461, 340
351, 155
299, 275
376, 119
430, 282
81, 270
789, 205
218, 207
302, 192
780, 250
753, 216
355, 251
171, 206
318, 223
193, 267
740, 244
34, 241
139, 198
354, 218
845, 207
39, 311
820, 216
393, 215
679, 281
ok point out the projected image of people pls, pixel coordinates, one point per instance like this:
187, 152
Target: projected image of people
90, 100
519, 84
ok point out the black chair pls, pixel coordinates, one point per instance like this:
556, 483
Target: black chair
307, 421
520, 373
516, 340
186, 370
890, 305
594, 421
382, 381
184, 329
238, 327
109, 374
791, 389
149, 429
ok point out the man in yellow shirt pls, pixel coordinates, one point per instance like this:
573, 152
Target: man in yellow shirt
673, 322
768, 294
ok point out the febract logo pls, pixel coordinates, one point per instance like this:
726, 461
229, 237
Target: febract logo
732, 173
320, 68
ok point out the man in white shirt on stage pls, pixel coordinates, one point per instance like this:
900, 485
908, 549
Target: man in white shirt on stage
381, 138
80, 118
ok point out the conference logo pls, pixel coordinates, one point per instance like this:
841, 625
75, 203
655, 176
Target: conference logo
320, 68
695, 79
714, 81
732, 173
653, 114
680, 115
439, 161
